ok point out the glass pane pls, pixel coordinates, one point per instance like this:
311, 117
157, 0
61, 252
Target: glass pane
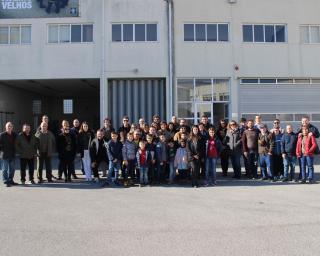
76, 33
64, 34
185, 90
285, 81
26, 34
298, 117
220, 111
152, 32
204, 109
4, 35
268, 117
281, 33
67, 106
249, 116
304, 34
223, 33
268, 81
315, 81
87, 33
249, 81
140, 32
247, 33
285, 117
53, 34
188, 32
128, 32
116, 33
302, 81
258, 33
315, 117
203, 90
200, 32
221, 90
212, 32
314, 34
185, 110
14, 35
269, 33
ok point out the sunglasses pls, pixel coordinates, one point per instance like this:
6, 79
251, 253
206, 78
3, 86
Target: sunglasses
125, 120
276, 122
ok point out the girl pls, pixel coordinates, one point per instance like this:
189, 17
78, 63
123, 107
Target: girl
84, 140
233, 141
196, 145
181, 160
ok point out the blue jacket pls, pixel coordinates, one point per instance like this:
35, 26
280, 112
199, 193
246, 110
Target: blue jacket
161, 152
129, 150
289, 143
277, 143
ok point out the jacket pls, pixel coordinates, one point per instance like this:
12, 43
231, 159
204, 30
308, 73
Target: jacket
289, 144
161, 152
129, 150
250, 140
181, 160
266, 143
27, 149
277, 143
312, 129
310, 146
7, 145
51, 148
218, 145
197, 148
233, 140
150, 157
83, 141
114, 150
67, 146
94, 149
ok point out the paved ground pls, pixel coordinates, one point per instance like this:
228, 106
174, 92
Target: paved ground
234, 218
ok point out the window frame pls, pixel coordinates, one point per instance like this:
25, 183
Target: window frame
134, 32
206, 32
9, 27
70, 33
309, 34
264, 33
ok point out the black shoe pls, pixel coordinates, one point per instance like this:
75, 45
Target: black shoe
50, 181
75, 177
40, 181
13, 183
105, 184
32, 182
302, 181
59, 178
265, 178
8, 185
310, 181
284, 180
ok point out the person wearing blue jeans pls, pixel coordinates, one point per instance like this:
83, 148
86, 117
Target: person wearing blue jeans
265, 166
289, 162
288, 151
211, 174
7, 154
307, 161
114, 151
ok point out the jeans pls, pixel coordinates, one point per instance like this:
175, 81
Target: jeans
114, 169
172, 174
306, 161
23, 166
86, 163
252, 164
289, 161
8, 170
236, 165
144, 175
211, 164
265, 165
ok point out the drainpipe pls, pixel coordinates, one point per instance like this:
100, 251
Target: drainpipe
103, 89
170, 23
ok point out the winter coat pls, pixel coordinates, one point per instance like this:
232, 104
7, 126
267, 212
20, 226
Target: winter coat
51, 148
161, 152
277, 143
129, 150
265, 143
94, 149
67, 146
181, 160
27, 149
7, 145
150, 157
312, 129
84, 140
310, 146
233, 141
197, 148
289, 144
114, 150
217, 143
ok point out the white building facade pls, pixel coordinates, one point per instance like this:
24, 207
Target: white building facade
222, 58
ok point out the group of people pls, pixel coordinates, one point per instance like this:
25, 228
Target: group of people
161, 153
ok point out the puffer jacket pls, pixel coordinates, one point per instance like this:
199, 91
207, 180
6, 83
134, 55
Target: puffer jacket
129, 150
310, 146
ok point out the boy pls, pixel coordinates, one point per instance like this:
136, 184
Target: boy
144, 158
129, 151
114, 150
161, 157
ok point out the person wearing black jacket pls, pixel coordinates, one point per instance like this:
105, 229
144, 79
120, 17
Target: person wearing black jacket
233, 141
7, 153
224, 155
196, 145
107, 128
84, 140
125, 128
288, 151
67, 148
114, 151
305, 122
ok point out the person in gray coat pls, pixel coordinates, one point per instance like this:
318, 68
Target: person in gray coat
26, 147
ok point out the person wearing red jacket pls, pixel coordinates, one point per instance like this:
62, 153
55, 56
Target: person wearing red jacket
306, 146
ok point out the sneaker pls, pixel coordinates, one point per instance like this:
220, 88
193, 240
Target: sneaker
60, 178
32, 182
23, 183
284, 180
14, 183
8, 185
310, 181
265, 178
40, 181
302, 181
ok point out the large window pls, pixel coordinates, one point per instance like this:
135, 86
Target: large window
197, 96
213, 32
15, 34
280, 81
310, 34
70, 33
264, 33
139, 32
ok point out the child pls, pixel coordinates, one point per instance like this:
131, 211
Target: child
150, 146
162, 157
114, 150
181, 160
213, 149
306, 147
129, 151
171, 153
144, 158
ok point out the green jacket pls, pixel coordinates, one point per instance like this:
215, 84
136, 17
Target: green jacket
26, 149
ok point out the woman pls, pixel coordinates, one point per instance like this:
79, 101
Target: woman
196, 145
84, 140
233, 141
224, 155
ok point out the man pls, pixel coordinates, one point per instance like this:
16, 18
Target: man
175, 122
305, 122
67, 148
98, 154
26, 147
7, 154
250, 148
205, 122
156, 120
277, 160
107, 128
46, 145
183, 122
125, 128
76, 127
288, 150
258, 122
